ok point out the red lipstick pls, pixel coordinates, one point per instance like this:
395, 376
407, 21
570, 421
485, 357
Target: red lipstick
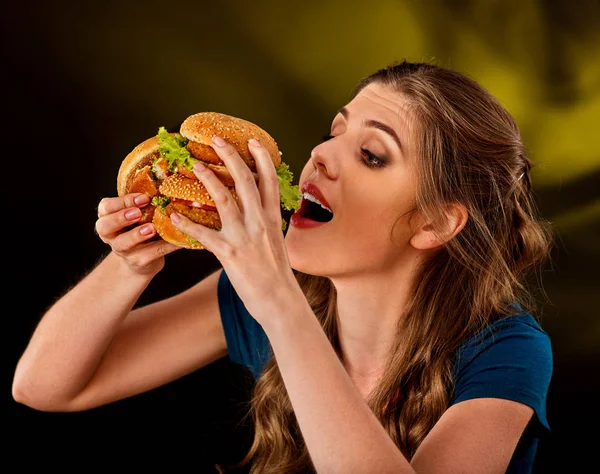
311, 188
297, 219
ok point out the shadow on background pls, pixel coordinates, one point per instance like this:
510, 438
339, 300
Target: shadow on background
85, 82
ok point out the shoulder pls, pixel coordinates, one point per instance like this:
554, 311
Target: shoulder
514, 336
510, 359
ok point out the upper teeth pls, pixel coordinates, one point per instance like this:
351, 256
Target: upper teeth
310, 197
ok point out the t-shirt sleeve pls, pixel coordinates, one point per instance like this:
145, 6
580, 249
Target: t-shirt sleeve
511, 360
247, 342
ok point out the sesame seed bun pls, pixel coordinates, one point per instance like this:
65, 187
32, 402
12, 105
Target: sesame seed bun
166, 229
201, 127
181, 187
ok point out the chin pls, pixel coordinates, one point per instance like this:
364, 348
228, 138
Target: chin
309, 263
302, 259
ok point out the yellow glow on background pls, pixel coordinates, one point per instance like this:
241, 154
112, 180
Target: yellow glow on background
327, 46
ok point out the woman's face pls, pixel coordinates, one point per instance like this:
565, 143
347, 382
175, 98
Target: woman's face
368, 181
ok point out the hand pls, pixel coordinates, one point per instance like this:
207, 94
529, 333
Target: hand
250, 244
115, 214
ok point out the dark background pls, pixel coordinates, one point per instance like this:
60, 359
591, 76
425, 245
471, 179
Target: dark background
84, 82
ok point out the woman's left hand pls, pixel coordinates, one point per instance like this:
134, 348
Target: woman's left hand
250, 244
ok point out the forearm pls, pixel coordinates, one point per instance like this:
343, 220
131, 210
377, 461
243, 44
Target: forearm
71, 338
341, 432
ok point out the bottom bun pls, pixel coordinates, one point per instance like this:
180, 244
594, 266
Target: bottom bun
168, 232
166, 229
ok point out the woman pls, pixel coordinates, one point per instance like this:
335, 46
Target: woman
423, 356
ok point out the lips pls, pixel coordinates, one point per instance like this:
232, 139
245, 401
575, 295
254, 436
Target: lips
311, 188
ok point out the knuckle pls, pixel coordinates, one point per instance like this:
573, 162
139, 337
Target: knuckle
161, 250
102, 207
248, 179
101, 229
118, 245
222, 198
229, 150
259, 226
186, 227
128, 200
227, 252
259, 231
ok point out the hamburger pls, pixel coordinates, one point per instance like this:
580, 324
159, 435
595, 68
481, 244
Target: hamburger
161, 167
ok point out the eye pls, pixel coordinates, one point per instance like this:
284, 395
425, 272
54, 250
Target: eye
370, 160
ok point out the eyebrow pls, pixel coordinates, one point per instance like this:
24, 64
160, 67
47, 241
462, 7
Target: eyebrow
375, 124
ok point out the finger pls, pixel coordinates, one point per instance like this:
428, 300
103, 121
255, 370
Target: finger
110, 205
117, 221
268, 183
209, 238
245, 183
126, 241
227, 204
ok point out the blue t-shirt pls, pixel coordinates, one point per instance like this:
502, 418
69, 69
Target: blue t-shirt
510, 359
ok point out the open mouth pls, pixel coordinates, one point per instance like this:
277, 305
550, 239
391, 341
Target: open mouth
314, 211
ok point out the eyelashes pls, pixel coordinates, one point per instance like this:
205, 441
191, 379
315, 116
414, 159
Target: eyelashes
369, 159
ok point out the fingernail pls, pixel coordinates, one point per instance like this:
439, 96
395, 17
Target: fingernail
147, 229
143, 199
254, 142
175, 217
219, 141
133, 214
199, 166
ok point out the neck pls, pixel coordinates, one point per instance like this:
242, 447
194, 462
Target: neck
370, 307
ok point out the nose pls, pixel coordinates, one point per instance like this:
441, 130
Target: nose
321, 159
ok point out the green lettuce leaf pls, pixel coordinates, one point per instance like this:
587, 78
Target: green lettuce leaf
161, 202
289, 194
172, 148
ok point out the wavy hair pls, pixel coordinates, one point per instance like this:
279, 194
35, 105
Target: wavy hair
469, 151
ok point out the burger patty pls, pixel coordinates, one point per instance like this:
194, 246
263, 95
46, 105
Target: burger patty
204, 153
207, 218
144, 182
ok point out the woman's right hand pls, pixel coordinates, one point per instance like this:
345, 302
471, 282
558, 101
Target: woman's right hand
116, 227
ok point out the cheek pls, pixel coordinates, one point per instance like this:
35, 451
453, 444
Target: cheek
373, 220
367, 228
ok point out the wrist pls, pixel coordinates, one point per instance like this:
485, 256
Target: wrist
291, 313
124, 270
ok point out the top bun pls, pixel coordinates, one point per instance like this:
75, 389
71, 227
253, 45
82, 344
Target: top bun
201, 127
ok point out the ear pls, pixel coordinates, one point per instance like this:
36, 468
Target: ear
456, 218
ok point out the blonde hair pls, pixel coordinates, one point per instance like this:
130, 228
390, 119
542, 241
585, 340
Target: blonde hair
469, 151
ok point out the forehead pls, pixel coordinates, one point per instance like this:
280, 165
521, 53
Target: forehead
386, 105
382, 103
